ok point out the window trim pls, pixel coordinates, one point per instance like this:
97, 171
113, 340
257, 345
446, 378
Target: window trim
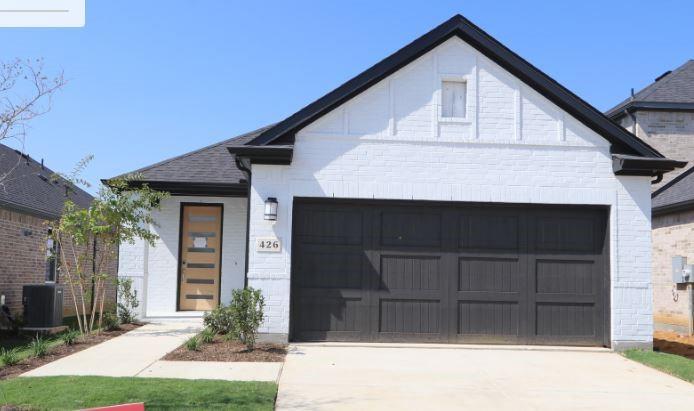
454, 78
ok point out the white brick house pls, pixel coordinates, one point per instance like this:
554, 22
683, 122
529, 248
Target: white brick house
452, 192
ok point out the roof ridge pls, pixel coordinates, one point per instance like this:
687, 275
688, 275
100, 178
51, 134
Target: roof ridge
485, 44
659, 84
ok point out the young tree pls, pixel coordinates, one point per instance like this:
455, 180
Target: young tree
26, 92
120, 213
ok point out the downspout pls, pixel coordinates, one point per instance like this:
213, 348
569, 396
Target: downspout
246, 170
690, 286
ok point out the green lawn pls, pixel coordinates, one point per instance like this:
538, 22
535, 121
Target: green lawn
70, 393
672, 364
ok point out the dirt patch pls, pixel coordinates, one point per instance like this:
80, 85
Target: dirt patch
221, 350
673, 343
63, 351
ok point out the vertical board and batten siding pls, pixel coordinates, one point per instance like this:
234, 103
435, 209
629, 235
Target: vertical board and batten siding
514, 146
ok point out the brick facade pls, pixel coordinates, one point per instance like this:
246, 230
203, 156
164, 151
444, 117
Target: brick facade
22, 259
672, 235
671, 133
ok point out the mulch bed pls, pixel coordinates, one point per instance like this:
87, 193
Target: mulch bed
63, 350
673, 343
221, 350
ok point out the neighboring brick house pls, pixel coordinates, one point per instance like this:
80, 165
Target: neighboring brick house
662, 114
30, 201
452, 192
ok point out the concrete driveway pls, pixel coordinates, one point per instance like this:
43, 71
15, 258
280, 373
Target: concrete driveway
364, 376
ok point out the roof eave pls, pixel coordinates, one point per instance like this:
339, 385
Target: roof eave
193, 188
274, 155
673, 208
634, 106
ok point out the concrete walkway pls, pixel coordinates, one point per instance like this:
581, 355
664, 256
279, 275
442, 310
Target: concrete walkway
126, 355
400, 376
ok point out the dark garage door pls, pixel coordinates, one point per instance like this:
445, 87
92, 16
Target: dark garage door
449, 272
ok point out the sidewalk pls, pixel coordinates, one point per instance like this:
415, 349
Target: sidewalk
126, 355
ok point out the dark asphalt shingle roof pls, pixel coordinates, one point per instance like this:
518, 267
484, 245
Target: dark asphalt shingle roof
678, 190
676, 86
33, 189
211, 164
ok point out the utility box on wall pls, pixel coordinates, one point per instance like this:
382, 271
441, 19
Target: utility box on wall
681, 271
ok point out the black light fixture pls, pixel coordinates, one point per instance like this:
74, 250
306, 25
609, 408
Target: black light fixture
271, 209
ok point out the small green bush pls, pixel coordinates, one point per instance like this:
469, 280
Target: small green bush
219, 320
127, 301
110, 321
193, 343
207, 335
9, 357
247, 314
70, 337
39, 346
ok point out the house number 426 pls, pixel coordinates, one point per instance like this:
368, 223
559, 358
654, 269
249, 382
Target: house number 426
268, 244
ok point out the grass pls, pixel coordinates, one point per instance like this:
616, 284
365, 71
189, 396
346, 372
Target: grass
676, 365
70, 393
26, 351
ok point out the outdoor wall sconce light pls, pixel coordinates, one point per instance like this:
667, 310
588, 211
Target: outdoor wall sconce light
271, 209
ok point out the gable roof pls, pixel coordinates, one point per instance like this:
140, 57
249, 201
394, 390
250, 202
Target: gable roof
210, 169
673, 90
676, 195
29, 187
622, 141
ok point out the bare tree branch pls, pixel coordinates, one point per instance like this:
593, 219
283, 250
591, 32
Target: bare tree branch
26, 93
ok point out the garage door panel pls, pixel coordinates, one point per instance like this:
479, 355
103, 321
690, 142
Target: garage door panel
332, 269
337, 227
407, 272
565, 277
410, 316
328, 318
489, 274
410, 229
567, 234
565, 319
492, 318
490, 232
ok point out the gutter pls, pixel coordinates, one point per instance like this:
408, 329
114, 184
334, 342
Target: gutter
623, 164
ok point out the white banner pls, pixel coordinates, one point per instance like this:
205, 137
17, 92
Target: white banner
42, 13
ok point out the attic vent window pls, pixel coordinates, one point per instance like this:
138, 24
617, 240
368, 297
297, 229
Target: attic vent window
453, 99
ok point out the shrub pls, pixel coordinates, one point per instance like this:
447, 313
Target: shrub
110, 321
39, 346
207, 335
9, 357
247, 314
70, 337
193, 343
127, 301
219, 320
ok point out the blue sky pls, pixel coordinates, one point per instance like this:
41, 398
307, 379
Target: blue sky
153, 79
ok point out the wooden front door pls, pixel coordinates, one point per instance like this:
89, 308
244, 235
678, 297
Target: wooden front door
201, 243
